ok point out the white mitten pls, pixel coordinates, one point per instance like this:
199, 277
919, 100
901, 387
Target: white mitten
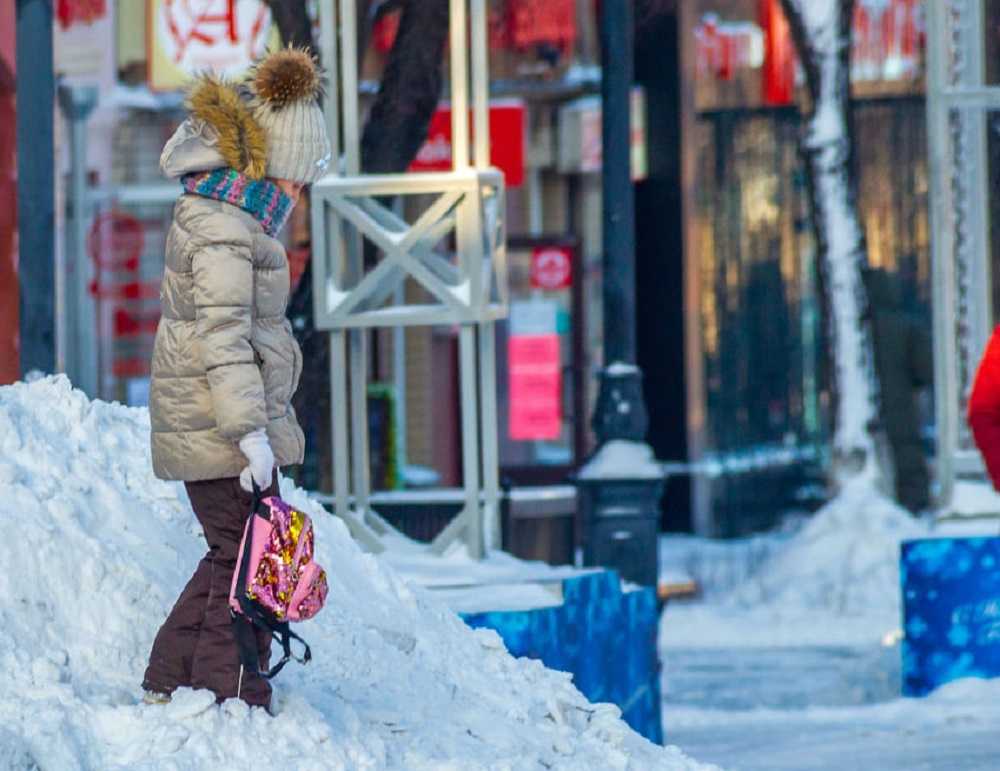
261, 459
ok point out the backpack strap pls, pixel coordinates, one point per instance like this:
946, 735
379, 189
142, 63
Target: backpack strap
246, 640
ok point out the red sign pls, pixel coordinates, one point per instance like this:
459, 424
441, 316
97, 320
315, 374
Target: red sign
551, 267
506, 141
115, 241
133, 325
535, 386
70, 12
887, 40
219, 36
724, 47
130, 290
780, 62
536, 22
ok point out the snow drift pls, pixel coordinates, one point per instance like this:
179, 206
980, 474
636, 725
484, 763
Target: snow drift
835, 581
844, 561
95, 550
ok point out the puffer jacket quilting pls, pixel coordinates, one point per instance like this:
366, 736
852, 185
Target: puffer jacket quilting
224, 362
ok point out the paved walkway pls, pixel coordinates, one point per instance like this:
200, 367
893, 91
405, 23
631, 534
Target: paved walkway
798, 709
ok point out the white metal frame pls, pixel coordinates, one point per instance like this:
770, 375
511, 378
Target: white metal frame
471, 291
958, 103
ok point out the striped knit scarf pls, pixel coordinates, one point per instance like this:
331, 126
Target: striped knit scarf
259, 197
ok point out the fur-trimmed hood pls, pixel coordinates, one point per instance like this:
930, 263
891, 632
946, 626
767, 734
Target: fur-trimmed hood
267, 124
220, 132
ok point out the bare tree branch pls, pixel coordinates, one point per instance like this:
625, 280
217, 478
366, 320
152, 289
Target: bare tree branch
293, 22
410, 89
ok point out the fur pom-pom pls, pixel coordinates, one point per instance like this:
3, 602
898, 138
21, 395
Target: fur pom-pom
242, 142
286, 76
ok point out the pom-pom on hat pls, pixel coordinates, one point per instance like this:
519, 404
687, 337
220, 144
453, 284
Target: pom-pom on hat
286, 87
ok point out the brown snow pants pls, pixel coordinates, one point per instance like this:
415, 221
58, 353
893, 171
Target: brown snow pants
196, 647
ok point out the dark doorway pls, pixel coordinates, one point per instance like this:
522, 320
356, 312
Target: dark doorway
660, 258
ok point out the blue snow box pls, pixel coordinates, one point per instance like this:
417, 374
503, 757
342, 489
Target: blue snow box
951, 611
604, 636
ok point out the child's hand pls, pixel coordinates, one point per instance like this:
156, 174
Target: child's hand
261, 461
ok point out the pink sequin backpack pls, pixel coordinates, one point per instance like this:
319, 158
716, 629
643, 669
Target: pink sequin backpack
276, 580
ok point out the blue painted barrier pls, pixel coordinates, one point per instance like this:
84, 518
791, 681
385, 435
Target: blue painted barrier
604, 637
951, 611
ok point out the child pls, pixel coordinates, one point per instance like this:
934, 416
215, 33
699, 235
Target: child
225, 364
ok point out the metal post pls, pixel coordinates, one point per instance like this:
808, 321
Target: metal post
338, 428
977, 285
490, 440
480, 84
960, 224
77, 103
536, 202
942, 249
621, 514
359, 418
620, 412
41, 342
459, 86
616, 180
399, 366
470, 440
331, 94
349, 85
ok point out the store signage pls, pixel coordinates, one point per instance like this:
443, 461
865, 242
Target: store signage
538, 22
551, 267
127, 305
724, 47
754, 41
70, 12
506, 141
534, 366
219, 36
888, 40
780, 63
115, 241
581, 148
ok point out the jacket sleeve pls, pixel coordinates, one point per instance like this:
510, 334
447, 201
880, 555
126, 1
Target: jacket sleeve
984, 408
223, 296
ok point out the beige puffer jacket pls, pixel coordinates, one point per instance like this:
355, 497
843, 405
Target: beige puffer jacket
224, 362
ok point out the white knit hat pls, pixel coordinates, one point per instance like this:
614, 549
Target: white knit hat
286, 90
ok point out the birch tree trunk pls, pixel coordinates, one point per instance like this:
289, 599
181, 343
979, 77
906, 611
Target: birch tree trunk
822, 33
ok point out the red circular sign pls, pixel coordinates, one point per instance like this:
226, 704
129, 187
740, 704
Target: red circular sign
551, 268
115, 241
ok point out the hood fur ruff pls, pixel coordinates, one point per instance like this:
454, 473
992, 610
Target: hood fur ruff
241, 141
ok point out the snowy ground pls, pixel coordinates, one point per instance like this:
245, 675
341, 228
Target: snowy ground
95, 550
790, 659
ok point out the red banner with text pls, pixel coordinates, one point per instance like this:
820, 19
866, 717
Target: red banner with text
506, 141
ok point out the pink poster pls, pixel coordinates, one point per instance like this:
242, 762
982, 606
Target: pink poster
535, 387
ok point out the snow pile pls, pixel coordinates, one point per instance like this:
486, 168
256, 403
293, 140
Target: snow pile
974, 510
622, 459
844, 561
95, 550
835, 581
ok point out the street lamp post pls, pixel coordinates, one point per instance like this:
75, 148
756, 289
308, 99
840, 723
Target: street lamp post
621, 486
